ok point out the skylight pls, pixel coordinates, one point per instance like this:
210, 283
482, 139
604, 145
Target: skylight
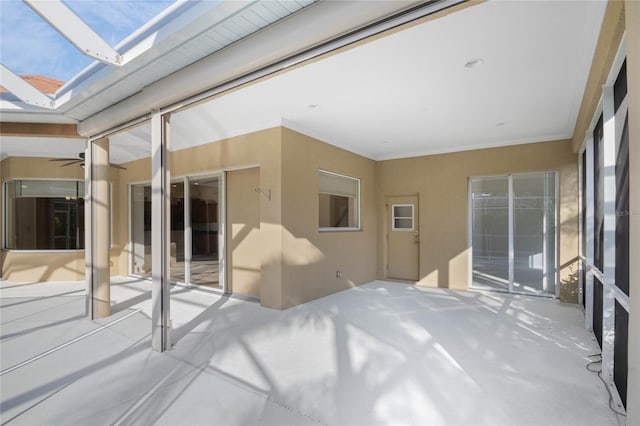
30, 46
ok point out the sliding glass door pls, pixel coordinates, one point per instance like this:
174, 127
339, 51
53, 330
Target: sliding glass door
490, 232
513, 233
197, 240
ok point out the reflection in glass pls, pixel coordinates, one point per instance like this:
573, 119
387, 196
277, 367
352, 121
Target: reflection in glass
141, 230
205, 214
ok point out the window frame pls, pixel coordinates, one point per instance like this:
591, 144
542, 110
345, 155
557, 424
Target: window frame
5, 226
358, 205
394, 217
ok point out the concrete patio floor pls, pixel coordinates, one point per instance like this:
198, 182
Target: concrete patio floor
382, 353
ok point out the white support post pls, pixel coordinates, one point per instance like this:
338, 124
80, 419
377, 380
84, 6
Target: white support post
222, 234
511, 226
545, 237
581, 230
160, 232
74, 29
609, 252
187, 232
88, 230
590, 230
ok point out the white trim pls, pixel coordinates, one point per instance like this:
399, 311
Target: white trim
581, 193
621, 55
556, 237
23, 90
5, 222
589, 232
469, 234
222, 232
510, 226
186, 195
609, 216
88, 229
358, 201
160, 233
394, 217
73, 28
511, 235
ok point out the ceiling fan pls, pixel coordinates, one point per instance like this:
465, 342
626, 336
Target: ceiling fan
80, 161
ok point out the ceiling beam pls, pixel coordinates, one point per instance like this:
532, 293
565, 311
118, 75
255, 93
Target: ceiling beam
23, 90
50, 130
74, 29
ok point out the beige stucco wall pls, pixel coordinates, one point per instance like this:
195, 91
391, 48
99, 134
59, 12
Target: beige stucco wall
244, 244
299, 263
311, 258
441, 181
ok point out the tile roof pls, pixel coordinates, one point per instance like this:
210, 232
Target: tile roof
44, 84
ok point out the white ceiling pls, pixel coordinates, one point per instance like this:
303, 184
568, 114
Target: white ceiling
410, 93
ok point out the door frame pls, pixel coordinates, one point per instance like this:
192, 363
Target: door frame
556, 237
386, 227
222, 219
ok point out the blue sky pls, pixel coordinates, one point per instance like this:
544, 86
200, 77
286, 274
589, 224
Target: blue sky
28, 45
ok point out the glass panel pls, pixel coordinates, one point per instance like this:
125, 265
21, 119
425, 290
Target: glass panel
597, 309
620, 86
490, 232
337, 201
176, 248
621, 351
336, 211
205, 214
534, 227
44, 215
141, 229
598, 194
403, 223
622, 211
403, 211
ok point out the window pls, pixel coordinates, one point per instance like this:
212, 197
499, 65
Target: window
402, 217
339, 202
44, 215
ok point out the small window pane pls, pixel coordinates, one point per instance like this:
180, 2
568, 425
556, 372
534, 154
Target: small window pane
338, 201
403, 211
403, 223
402, 217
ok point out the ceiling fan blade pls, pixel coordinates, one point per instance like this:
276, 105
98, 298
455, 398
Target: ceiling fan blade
117, 166
71, 162
63, 159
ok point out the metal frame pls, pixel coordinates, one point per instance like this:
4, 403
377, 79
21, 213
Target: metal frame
160, 235
393, 217
349, 229
88, 228
23, 90
590, 225
5, 223
510, 226
609, 252
186, 179
74, 29
511, 223
186, 191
